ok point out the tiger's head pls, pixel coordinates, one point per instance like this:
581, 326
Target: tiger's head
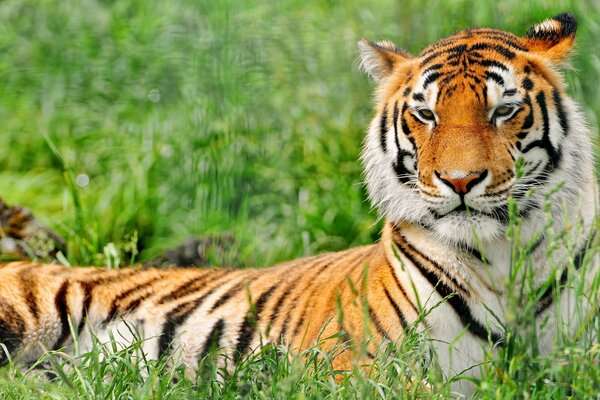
474, 119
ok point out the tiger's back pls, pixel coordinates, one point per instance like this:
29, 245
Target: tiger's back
188, 310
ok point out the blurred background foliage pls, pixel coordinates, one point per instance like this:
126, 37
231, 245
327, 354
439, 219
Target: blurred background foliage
178, 118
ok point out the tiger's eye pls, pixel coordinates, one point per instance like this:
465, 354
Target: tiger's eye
503, 111
427, 114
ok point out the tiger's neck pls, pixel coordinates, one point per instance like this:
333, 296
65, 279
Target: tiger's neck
463, 293
486, 273
548, 240
461, 268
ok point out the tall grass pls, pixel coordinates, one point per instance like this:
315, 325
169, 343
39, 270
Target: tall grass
246, 117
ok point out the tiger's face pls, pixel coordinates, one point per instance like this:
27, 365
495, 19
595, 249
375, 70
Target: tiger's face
473, 120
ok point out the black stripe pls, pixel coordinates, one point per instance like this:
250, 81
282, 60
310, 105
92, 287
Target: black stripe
300, 321
509, 92
528, 122
403, 124
399, 167
454, 299
295, 299
117, 300
493, 63
527, 84
177, 317
406, 129
434, 263
506, 41
494, 47
289, 314
491, 31
213, 340
250, 323
536, 245
459, 49
419, 97
377, 323
87, 288
383, 129
401, 288
308, 298
432, 68
305, 304
484, 95
225, 297
278, 304
189, 287
448, 78
135, 302
430, 79
560, 111
475, 253
552, 152
547, 297
474, 89
442, 46
495, 77
544, 142
396, 308
472, 76
173, 320
62, 308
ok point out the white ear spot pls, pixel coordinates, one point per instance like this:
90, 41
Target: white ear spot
548, 25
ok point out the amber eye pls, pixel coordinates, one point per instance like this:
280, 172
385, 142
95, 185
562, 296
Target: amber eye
426, 114
503, 111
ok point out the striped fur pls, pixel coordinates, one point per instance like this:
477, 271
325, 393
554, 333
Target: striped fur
442, 159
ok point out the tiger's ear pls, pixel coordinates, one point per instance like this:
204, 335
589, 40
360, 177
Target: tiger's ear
553, 38
379, 59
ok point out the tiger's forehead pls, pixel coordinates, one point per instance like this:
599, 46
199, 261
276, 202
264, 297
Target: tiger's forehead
467, 60
473, 41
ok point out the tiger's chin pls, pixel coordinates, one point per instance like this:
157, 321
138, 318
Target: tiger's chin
461, 229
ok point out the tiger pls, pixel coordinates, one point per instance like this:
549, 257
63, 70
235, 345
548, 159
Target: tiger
469, 135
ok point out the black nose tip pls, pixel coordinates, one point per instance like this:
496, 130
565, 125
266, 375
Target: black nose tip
463, 184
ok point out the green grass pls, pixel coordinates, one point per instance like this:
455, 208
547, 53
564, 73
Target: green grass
241, 117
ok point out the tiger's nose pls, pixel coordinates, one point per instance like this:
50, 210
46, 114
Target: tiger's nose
462, 183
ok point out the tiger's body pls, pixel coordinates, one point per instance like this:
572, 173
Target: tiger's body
441, 161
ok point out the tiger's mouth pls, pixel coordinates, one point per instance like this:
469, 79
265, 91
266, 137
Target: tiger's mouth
497, 211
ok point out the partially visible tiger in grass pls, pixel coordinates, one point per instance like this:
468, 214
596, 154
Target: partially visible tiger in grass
476, 119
